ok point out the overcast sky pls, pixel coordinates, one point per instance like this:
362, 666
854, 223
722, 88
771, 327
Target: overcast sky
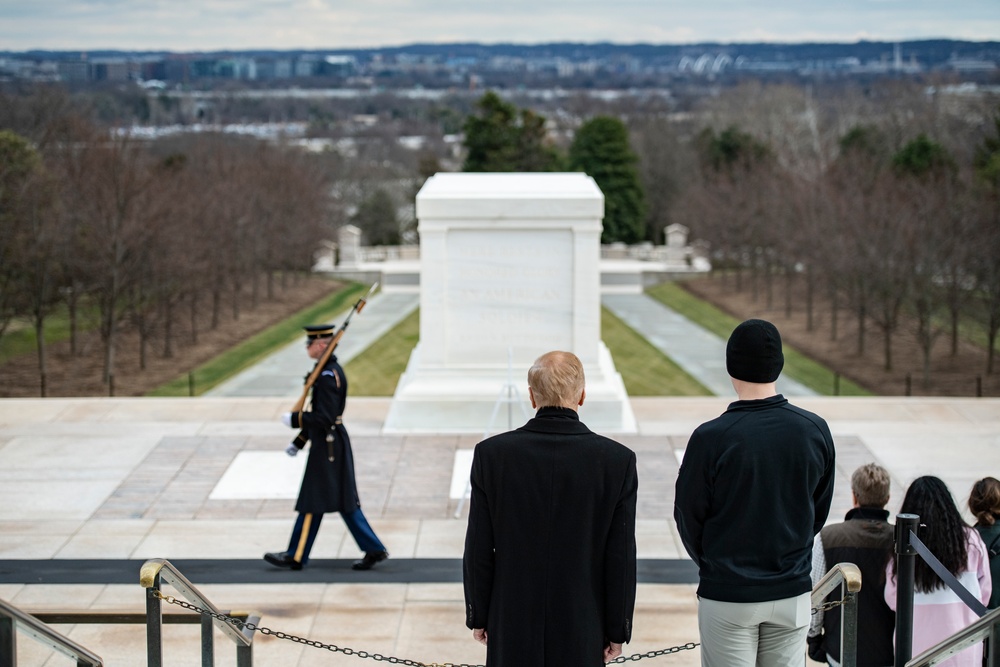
185, 25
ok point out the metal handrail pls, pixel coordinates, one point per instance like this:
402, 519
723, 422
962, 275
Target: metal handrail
13, 619
847, 576
158, 571
987, 627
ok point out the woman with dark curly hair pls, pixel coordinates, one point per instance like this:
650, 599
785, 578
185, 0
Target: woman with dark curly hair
937, 612
984, 501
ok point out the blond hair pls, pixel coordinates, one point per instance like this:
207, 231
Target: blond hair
870, 484
556, 380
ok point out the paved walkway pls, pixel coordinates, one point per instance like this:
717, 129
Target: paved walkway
281, 373
699, 352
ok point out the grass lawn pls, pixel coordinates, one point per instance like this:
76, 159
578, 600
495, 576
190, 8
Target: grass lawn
645, 370
814, 375
19, 338
376, 371
260, 346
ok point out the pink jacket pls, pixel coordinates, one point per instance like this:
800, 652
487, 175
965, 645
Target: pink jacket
941, 613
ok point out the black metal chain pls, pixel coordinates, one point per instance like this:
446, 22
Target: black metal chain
253, 627
653, 654
827, 606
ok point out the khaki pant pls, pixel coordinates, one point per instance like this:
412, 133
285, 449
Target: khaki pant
745, 634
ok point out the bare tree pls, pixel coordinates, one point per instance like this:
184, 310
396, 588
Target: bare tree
107, 181
665, 165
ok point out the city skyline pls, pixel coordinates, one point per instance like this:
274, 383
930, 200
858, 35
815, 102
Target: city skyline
182, 25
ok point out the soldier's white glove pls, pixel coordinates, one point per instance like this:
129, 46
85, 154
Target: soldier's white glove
286, 419
291, 449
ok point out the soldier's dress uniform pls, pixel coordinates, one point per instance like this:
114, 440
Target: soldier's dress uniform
328, 484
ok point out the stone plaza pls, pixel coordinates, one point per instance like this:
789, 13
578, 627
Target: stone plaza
93, 487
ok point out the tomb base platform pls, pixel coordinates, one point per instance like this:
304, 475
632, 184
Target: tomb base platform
492, 399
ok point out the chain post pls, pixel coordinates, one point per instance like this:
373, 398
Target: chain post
848, 628
906, 556
207, 642
154, 625
8, 641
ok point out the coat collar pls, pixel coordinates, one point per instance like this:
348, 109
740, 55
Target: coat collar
759, 404
556, 420
868, 514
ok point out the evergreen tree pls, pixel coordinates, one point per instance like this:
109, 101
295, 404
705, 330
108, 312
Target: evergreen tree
499, 137
601, 149
921, 157
731, 149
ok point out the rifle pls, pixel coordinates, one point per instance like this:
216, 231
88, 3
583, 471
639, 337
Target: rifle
301, 439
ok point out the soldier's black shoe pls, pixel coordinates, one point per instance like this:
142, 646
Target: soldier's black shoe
283, 560
368, 562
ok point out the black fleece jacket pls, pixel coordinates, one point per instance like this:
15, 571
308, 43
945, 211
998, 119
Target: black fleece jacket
753, 490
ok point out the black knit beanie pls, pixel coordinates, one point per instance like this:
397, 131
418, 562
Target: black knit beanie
753, 353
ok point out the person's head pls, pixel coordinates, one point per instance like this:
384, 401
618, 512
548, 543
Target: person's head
318, 337
753, 353
984, 501
870, 485
556, 380
929, 498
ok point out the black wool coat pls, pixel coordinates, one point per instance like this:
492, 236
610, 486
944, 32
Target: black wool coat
549, 565
328, 484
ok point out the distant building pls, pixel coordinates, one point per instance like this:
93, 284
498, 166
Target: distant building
971, 65
113, 69
73, 70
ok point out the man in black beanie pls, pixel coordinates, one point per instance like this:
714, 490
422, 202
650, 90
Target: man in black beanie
753, 490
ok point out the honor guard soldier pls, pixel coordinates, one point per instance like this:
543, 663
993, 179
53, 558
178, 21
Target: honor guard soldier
328, 484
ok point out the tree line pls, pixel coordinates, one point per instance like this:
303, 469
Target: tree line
145, 235
887, 224
886, 235
882, 199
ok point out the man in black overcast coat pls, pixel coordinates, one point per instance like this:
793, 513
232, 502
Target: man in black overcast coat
549, 566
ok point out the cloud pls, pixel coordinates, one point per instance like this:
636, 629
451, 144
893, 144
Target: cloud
285, 24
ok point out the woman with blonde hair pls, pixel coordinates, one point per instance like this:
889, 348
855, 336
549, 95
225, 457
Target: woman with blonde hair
984, 502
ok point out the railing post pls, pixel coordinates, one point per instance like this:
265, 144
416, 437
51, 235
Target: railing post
848, 628
244, 655
992, 647
8, 641
154, 625
906, 557
207, 641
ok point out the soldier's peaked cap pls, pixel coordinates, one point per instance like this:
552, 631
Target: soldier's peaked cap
314, 331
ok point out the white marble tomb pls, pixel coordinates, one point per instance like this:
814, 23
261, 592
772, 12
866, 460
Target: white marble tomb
509, 269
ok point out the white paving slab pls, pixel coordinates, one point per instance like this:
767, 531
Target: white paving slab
263, 475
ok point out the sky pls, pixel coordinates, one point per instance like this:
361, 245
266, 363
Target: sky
207, 25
